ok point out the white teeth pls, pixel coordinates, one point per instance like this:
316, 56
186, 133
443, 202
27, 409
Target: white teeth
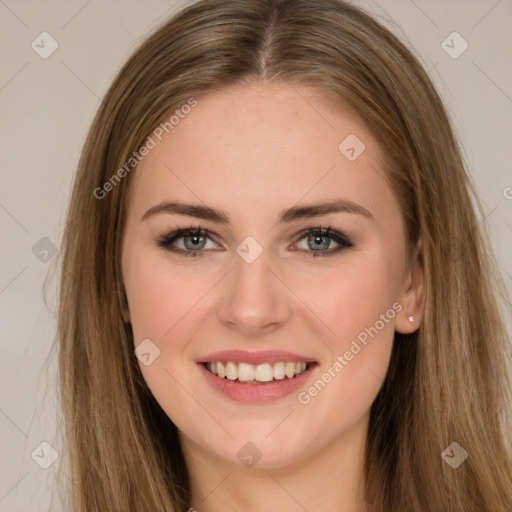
245, 372
290, 370
264, 372
231, 371
279, 371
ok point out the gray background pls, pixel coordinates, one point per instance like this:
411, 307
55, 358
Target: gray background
46, 107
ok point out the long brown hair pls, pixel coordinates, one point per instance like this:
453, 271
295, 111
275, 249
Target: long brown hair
447, 382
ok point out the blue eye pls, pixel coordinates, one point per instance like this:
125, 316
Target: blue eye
320, 241
194, 240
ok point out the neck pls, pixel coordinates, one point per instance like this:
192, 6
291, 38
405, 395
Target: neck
330, 479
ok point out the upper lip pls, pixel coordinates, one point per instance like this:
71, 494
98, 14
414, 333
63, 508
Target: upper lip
264, 356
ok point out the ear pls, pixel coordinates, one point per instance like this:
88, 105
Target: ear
126, 315
412, 296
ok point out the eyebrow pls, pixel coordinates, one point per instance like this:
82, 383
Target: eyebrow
288, 215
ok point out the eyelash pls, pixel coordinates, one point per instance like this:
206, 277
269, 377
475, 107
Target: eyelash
339, 238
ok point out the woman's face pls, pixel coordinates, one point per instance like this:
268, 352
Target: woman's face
248, 164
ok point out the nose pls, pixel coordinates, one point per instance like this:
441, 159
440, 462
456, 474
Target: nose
255, 301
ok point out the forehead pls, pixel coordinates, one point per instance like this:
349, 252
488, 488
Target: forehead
251, 143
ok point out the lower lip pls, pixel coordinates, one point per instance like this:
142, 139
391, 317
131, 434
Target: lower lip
257, 392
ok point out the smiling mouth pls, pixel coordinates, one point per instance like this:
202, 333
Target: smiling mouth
255, 374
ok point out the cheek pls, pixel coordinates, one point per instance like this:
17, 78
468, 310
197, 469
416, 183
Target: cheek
158, 298
357, 304
353, 298
164, 308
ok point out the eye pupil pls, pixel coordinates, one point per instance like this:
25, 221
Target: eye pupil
317, 239
197, 240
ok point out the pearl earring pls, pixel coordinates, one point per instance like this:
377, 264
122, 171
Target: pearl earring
411, 319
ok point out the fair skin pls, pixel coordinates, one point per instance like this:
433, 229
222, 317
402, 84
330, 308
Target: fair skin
253, 151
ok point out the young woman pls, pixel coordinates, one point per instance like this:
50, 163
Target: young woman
264, 305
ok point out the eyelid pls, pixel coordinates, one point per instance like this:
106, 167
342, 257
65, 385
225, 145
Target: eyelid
338, 237
328, 231
341, 239
177, 233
